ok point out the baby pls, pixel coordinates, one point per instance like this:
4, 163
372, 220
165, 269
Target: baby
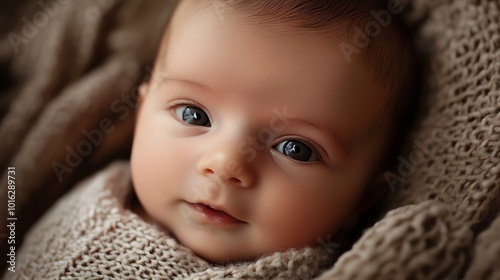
267, 125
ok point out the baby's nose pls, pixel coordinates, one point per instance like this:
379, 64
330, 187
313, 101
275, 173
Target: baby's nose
228, 165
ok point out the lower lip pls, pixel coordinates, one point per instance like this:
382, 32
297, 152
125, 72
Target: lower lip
209, 215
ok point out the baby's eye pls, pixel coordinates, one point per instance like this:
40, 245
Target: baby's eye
193, 115
296, 150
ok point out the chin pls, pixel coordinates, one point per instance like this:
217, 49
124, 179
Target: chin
218, 255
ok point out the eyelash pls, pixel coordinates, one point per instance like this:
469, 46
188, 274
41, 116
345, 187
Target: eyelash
313, 147
178, 103
305, 141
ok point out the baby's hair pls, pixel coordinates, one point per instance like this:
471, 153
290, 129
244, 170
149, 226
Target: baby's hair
389, 53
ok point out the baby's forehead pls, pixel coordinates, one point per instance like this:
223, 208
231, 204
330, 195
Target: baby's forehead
357, 88
348, 23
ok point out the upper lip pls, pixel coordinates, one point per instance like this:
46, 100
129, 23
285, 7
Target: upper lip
216, 207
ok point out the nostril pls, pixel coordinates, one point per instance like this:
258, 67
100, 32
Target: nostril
235, 180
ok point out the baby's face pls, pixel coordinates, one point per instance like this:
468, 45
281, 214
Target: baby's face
272, 128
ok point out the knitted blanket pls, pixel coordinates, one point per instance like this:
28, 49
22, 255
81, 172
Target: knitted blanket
67, 78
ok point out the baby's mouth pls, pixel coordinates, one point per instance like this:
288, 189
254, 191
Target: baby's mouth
211, 215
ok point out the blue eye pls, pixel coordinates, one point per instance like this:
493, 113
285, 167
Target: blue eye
193, 115
296, 150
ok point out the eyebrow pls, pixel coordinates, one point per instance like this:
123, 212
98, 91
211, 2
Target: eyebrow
186, 82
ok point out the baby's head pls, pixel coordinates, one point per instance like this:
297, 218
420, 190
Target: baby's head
266, 123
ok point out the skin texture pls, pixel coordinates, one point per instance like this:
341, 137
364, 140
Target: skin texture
259, 86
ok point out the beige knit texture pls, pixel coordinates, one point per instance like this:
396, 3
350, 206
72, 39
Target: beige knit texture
444, 220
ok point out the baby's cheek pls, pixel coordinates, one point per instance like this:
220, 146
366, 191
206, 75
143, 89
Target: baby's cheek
292, 215
146, 170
